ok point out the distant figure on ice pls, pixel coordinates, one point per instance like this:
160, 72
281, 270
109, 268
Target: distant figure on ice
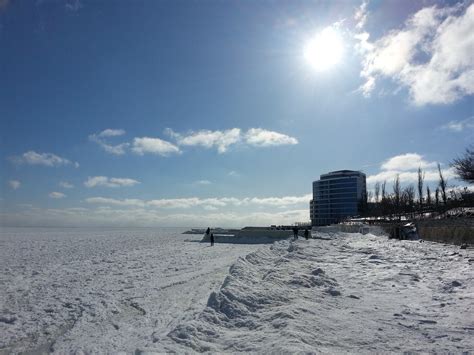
208, 230
212, 239
295, 232
306, 233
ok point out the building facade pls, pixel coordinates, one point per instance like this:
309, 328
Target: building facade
336, 196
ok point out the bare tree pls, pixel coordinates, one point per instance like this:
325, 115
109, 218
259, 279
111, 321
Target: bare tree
377, 191
464, 166
384, 198
428, 195
437, 197
370, 196
467, 197
409, 193
442, 184
421, 179
363, 205
397, 193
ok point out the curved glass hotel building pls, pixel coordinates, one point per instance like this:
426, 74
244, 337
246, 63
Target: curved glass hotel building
337, 195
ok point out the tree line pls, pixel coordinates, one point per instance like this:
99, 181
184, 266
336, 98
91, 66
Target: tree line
417, 200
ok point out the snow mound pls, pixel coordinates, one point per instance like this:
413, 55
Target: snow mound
338, 293
255, 298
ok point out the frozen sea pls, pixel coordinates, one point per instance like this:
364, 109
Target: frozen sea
103, 289
157, 290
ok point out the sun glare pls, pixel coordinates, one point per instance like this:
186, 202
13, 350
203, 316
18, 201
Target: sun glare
324, 50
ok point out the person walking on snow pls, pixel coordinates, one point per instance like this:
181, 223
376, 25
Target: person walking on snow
306, 233
212, 239
295, 233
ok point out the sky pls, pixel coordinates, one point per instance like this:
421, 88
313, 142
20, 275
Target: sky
222, 113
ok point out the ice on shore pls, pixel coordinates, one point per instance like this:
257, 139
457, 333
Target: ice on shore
156, 291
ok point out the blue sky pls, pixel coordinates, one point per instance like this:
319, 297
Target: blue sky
180, 113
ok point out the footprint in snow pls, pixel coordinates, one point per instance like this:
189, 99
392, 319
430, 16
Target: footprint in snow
427, 321
318, 271
333, 292
7, 319
450, 287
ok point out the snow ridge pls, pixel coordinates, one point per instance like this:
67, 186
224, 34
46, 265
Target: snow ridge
338, 293
254, 298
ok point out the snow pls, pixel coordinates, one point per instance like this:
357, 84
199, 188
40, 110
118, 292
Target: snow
103, 290
339, 293
157, 291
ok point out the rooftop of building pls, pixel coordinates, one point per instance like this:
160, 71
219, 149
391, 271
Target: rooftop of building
341, 173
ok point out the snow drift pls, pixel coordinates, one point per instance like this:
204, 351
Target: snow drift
351, 293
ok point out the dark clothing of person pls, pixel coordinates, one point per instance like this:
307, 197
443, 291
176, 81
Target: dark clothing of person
212, 240
306, 234
208, 230
295, 233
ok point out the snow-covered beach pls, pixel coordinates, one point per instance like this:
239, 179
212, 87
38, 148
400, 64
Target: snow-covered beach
155, 290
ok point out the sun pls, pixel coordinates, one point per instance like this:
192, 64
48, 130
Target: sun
324, 50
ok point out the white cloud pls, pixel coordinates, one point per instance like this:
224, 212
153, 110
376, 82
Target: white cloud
110, 132
406, 167
66, 185
103, 216
189, 202
99, 138
46, 159
73, 5
154, 146
56, 195
109, 182
203, 182
114, 202
222, 140
367, 87
409, 161
361, 15
431, 55
431, 175
182, 202
208, 139
118, 149
460, 125
233, 173
281, 201
14, 184
262, 138
139, 145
